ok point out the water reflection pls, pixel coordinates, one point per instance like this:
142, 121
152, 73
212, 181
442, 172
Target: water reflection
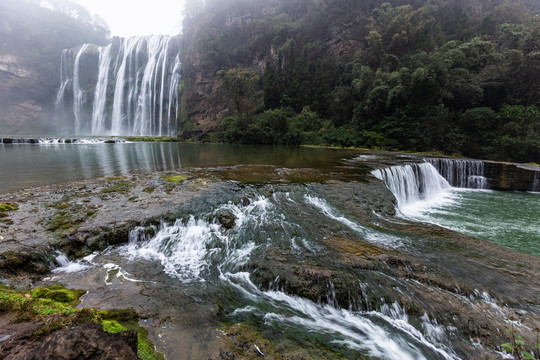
27, 165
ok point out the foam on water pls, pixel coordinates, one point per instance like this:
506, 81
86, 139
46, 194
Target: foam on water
364, 232
368, 332
69, 267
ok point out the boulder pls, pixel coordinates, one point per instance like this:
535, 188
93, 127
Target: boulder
226, 218
86, 341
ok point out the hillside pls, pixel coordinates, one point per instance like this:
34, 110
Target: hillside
31, 42
457, 76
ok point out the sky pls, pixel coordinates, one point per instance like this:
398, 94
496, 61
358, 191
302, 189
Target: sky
138, 17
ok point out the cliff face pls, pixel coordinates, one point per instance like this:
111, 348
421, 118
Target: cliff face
254, 33
251, 34
31, 43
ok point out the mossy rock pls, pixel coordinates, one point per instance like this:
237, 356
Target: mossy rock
3, 215
243, 342
121, 315
175, 178
145, 349
6, 206
118, 187
58, 294
149, 189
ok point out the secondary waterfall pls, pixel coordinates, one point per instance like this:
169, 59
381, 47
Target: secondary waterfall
412, 183
129, 88
462, 173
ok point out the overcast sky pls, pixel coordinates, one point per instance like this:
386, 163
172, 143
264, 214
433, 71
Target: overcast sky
138, 17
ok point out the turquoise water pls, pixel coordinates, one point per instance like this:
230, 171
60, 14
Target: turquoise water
510, 219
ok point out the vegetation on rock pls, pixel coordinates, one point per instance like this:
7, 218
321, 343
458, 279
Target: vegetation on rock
55, 305
455, 76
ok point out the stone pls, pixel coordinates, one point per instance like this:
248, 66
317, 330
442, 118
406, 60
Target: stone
86, 341
226, 218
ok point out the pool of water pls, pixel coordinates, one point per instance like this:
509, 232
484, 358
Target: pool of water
509, 219
28, 165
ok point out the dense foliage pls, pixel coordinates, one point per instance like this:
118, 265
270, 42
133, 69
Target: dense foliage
426, 76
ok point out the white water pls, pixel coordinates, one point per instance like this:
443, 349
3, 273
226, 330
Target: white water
198, 249
79, 93
462, 173
415, 186
135, 91
100, 96
385, 334
364, 232
67, 266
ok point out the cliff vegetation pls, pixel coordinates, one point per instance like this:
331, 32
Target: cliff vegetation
456, 76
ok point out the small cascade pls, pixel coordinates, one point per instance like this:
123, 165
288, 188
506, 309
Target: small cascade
129, 87
412, 183
462, 173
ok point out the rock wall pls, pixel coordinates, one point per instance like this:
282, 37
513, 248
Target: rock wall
516, 177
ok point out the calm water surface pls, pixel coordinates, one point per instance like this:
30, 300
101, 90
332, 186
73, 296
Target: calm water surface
23, 166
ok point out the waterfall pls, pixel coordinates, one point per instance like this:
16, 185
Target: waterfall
131, 89
462, 173
65, 78
413, 183
79, 94
100, 96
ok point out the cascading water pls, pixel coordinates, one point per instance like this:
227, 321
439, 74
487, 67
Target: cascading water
129, 88
413, 183
99, 112
197, 250
462, 173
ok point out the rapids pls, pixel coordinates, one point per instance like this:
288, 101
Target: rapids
320, 269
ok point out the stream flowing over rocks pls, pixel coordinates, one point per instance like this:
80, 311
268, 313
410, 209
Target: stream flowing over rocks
287, 262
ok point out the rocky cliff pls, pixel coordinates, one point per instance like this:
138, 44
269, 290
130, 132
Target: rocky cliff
251, 34
31, 42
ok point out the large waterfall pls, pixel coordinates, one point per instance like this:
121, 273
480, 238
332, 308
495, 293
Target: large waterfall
129, 87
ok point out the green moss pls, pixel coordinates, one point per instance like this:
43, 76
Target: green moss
6, 206
118, 187
175, 178
149, 189
145, 348
112, 326
62, 222
62, 206
55, 306
3, 214
58, 294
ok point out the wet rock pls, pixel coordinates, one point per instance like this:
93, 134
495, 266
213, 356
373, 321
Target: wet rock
226, 218
30, 261
86, 341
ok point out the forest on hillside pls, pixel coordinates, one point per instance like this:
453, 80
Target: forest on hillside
454, 76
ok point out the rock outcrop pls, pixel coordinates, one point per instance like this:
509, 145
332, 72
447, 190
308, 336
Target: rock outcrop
86, 341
